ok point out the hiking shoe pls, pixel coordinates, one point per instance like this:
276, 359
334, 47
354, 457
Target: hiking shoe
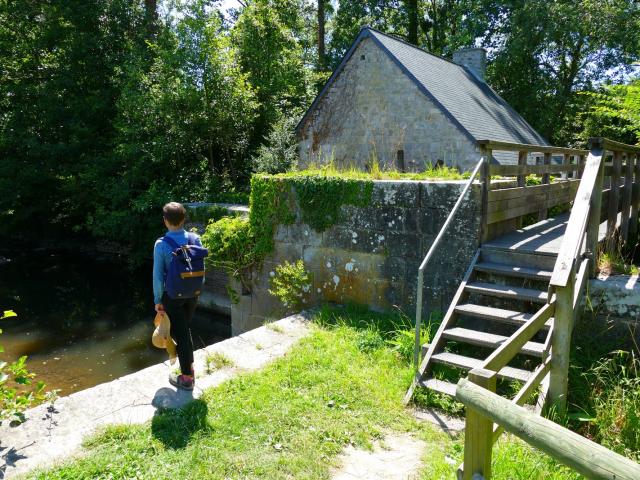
184, 382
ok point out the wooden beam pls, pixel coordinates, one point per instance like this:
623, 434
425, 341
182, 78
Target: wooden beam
566, 160
614, 200
522, 169
626, 197
518, 147
478, 431
522, 162
510, 348
584, 456
581, 216
581, 161
561, 344
635, 200
485, 182
542, 214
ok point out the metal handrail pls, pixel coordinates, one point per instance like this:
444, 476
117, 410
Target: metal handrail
423, 265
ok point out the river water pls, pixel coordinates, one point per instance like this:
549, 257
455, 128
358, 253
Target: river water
85, 321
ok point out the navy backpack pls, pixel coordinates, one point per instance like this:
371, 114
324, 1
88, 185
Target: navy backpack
186, 270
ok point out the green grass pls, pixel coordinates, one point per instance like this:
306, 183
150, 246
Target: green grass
216, 360
340, 386
376, 173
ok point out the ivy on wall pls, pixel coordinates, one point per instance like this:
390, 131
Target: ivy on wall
239, 244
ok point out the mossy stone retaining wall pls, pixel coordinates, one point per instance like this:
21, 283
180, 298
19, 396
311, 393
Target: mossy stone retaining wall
369, 253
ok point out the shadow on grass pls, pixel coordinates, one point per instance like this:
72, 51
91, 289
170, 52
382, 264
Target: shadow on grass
175, 428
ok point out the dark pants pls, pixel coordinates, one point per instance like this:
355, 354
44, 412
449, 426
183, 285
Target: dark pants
180, 312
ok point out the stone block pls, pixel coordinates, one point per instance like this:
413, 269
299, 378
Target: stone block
406, 245
282, 252
367, 241
395, 269
395, 193
303, 234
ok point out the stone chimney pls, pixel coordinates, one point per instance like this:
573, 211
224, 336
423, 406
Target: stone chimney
475, 59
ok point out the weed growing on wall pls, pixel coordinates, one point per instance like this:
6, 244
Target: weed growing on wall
290, 283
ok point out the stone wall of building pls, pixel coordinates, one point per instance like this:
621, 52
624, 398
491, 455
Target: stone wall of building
372, 255
373, 110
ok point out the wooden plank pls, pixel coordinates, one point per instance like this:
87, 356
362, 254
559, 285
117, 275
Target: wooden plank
505, 291
515, 192
509, 349
534, 201
514, 271
586, 457
497, 314
635, 200
581, 282
468, 363
491, 340
522, 162
626, 198
566, 160
614, 146
516, 147
581, 162
437, 338
542, 213
614, 200
485, 182
521, 169
576, 227
440, 386
527, 390
561, 344
478, 438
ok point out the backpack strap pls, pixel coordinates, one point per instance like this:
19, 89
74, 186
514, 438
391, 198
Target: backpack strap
171, 242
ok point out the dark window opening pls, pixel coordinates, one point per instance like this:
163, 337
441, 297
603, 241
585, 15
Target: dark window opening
361, 57
400, 161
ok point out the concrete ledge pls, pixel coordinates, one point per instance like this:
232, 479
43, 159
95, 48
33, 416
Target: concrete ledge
616, 296
51, 435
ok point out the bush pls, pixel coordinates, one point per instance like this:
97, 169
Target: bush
14, 400
280, 154
230, 241
290, 283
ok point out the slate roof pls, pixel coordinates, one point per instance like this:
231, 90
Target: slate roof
478, 111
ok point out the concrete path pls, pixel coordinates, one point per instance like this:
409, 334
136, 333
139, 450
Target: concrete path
396, 457
52, 434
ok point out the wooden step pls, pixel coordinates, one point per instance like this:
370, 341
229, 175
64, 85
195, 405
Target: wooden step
496, 314
440, 386
522, 259
514, 271
504, 291
468, 363
484, 339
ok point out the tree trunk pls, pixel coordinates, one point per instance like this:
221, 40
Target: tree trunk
321, 24
151, 13
412, 12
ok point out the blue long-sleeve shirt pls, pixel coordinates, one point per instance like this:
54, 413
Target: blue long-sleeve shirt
162, 259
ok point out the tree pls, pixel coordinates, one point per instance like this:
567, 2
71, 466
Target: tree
546, 51
412, 13
321, 36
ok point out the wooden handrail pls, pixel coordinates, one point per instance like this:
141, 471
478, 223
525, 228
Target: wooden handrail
612, 145
584, 456
511, 347
577, 226
525, 147
513, 170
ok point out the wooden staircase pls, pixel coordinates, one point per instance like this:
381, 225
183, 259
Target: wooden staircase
500, 292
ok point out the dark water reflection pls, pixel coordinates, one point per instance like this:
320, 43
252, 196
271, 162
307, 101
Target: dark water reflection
84, 321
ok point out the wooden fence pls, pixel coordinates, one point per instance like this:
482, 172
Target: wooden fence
616, 200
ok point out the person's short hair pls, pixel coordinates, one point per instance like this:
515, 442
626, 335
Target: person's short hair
174, 213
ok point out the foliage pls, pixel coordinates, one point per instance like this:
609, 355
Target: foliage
616, 263
280, 152
544, 52
290, 283
17, 391
208, 213
613, 111
231, 244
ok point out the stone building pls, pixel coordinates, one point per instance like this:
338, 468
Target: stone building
406, 108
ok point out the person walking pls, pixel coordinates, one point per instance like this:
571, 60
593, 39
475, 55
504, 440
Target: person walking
177, 285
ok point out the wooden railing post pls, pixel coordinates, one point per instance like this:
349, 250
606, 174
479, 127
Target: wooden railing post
542, 214
635, 200
581, 160
561, 344
566, 160
626, 197
614, 200
485, 182
522, 160
478, 431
